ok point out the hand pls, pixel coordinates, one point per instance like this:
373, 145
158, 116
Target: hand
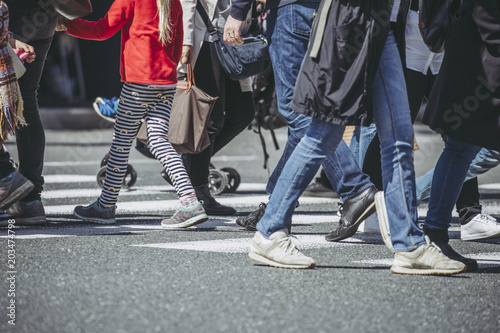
232, 31
186, 54
16, 44
62, 23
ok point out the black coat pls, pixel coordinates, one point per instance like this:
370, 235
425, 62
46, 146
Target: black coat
465, 100
335, 80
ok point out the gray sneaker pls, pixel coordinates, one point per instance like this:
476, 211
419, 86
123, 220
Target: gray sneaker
186, 217
13, 188
28, 213
280, 252
425, 260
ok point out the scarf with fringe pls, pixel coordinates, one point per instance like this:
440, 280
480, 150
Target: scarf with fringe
11, 103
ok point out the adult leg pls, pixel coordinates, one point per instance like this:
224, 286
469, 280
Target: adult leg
418, 87
35, 27
393, 121
321, 140
467, 204
449, 175
289, 28
239, 112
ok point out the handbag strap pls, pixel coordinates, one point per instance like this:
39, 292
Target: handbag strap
190, 79
203, 13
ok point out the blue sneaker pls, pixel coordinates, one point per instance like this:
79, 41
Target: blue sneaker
106, 108
95, 214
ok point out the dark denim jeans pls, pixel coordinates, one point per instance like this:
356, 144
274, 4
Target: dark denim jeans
449, 175
288, 30
35, 27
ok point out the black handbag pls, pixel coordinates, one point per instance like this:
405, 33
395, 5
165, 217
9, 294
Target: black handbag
242, 61
72, 9
437, 18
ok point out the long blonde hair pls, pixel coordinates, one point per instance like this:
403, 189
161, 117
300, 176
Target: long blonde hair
164, 25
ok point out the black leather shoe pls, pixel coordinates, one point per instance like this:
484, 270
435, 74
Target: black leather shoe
354, 211
441, 239
212, 207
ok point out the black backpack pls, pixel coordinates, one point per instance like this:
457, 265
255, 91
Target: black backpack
267, 115
437, 18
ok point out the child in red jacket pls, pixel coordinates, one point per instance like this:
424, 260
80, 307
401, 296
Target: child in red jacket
152, 34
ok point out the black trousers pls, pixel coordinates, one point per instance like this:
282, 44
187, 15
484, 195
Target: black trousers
232, 113
35, 26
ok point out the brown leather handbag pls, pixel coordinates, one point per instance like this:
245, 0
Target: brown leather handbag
72, 9
191, 109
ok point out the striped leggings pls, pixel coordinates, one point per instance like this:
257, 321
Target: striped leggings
139, 101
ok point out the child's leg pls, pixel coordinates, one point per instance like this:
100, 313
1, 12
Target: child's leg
157, 120
133, 104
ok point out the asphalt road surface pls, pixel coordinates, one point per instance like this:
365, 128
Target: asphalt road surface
72, 277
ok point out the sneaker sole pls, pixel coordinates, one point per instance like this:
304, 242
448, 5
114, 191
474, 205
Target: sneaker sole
94, 220
413, 271
480, 236
192, 221
17, 195
36, 220
352, 229
95, 105
383, 220
263, 260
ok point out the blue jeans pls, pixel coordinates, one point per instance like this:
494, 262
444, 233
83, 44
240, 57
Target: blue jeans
360, 141
288, 30
485, 160
392, 118
449, 175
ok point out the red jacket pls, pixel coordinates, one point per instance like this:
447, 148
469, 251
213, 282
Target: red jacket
143, 59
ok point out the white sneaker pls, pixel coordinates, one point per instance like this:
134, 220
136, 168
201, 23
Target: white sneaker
425, 260
370, 225
279, 252
482, 226
383, 220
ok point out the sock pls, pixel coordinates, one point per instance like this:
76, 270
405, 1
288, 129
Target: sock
188, 201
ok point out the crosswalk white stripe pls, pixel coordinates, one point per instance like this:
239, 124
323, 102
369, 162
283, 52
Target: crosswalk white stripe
57, 179
241, 245
219, 223
136, 190
168, 205
222, 158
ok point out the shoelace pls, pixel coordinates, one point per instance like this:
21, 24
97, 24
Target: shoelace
288, 245
486, 217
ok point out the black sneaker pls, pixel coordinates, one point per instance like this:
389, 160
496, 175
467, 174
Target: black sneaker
13, 188
354, 211
212, 207
441, 239
28, 213
95, 214
250, 221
